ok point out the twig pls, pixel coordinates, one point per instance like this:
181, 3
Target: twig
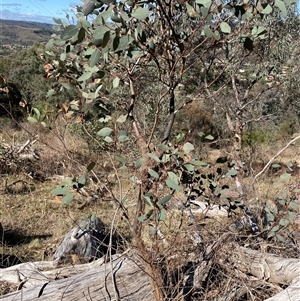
197, 239
116, 291
273, 158
156, 117
171, 116
93, 138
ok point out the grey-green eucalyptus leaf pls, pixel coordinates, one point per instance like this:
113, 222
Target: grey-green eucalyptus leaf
225, 27
122, 118
205, 3
153, 173
173, 185
100, 32
280, 4
232, 173
32, 120
207, 31
188, 147
91, 166
116, 82
153, 156
106, 39
82, 181
85, 76
140, 13
94, 59
108, 139
69, 32
165, 199
191, 11
138, 163
105, 132
123, 138
60, 190
161, 215
285, 177
267, 10
67, 199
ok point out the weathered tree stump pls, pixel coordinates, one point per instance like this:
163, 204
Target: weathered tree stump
88, 239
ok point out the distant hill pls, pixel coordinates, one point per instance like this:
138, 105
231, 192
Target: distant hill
23, 32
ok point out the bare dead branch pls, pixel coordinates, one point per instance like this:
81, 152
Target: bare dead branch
161, 97
274, 157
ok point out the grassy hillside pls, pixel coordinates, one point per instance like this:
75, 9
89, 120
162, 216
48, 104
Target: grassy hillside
23, 33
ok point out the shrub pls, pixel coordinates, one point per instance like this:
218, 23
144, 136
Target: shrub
257, 137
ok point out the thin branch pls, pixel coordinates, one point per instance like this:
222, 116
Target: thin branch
257, 119
156, 117
273, 158
171, 117
92, 137
251, 101
113, 280
141, 142
171, 25
257, 78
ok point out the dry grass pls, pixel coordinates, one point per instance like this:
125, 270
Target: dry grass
39, 222
32, 217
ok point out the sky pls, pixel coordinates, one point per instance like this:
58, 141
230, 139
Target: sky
36, 10
39, 10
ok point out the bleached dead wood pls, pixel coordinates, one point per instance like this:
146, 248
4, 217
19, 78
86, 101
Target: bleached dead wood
198, 207
208, 210
121, 279
291, 293
36, 273
268, 267
24, 151
124, 277
88, 239
274, 157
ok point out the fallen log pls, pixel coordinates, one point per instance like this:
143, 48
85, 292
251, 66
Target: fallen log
267, 267
291, 293
123, 278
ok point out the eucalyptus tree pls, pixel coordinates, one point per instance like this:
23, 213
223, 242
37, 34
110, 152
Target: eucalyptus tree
146, 49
